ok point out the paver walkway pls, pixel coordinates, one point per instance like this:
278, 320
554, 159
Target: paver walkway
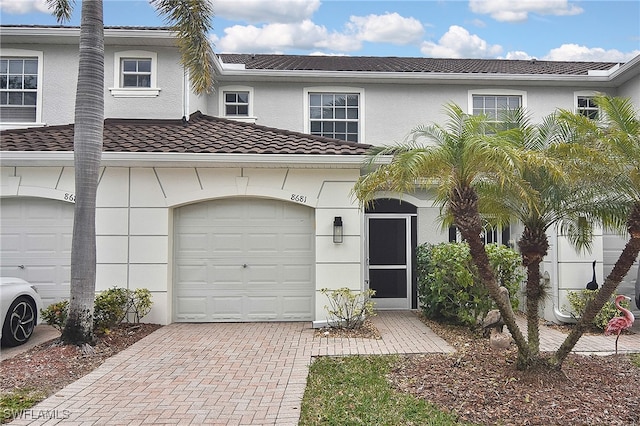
221, 374
236, 374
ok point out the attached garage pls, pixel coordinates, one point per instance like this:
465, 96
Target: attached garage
244, 259
36, 244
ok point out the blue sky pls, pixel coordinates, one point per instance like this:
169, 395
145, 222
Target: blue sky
513, 29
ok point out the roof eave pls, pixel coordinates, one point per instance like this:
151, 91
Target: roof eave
409, 77
71, 35
171, 159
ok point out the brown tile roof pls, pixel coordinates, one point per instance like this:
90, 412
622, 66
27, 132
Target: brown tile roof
201, 134
421, 65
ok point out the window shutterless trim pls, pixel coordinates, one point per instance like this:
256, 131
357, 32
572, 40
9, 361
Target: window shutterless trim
117, 91
26, 54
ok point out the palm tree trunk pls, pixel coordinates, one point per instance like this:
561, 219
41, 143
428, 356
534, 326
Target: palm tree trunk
620, 270
533, 245
88, 133
464, 206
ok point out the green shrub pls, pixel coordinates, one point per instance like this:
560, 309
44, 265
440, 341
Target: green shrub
111, 307
139, 303
348, 309
56, 314
449, 286
578, 301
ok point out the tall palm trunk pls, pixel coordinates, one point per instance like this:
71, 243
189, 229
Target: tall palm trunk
533, 245
464, 207
87, 141
620, 270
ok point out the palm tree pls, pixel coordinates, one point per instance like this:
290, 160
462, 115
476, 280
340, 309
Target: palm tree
618, 131
568, 198
191, 20
458, 161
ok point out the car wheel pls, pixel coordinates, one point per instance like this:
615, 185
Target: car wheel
19, 322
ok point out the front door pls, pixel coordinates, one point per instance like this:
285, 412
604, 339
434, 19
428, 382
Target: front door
389, 260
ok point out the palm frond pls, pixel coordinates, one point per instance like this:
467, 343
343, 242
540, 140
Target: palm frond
191, 20
61, 9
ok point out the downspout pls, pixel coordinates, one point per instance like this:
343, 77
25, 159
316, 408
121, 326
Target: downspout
559, 315
185, 95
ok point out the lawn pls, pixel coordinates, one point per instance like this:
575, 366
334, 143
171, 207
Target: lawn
353, 390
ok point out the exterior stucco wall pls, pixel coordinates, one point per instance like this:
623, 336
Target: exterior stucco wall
60, 76
134, 218
631, 89
390, 111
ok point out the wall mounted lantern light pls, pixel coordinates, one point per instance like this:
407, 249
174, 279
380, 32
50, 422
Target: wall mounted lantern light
337, 229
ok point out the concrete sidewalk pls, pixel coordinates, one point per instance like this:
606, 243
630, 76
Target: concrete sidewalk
237, 373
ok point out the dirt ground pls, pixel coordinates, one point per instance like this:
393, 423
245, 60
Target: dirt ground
478, 383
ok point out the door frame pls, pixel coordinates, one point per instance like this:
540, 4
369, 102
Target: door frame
397, 304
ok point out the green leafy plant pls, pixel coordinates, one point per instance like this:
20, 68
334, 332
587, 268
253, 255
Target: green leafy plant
111, 307
449, 287
578, 301
139, 303
348, 309
56, 314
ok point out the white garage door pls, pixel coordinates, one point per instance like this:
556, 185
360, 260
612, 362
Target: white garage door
35, 237
244, 259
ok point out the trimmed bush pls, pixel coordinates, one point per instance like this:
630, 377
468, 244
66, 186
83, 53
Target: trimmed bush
578, 301
111, 307
348, 309
56, 314
449, 287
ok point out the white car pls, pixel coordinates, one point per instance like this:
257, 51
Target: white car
20, 304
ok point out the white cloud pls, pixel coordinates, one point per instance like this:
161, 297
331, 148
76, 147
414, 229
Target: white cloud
457, 42
271, 11
518, 10
305, 35
574, 52
19, 7
518, 54
275, 38
387, 28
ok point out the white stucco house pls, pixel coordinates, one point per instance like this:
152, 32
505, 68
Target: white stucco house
225, 206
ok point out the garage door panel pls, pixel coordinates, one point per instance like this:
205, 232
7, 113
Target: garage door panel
191, 244
192, 308
274, 239
36, 234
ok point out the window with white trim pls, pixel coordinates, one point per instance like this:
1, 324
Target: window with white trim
20, 87
493, 105
236, 104
334, 114
135, 74
586, 105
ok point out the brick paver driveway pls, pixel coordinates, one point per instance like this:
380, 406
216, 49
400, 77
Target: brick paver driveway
226, 374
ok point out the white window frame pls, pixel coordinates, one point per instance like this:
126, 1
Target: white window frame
21, 53
495, 92
585, 94
250, 117
336, 89
117, 91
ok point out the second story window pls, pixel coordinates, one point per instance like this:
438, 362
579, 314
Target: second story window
236, 104
136, 72
586, 106
335, 115
493, 105
18, 90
